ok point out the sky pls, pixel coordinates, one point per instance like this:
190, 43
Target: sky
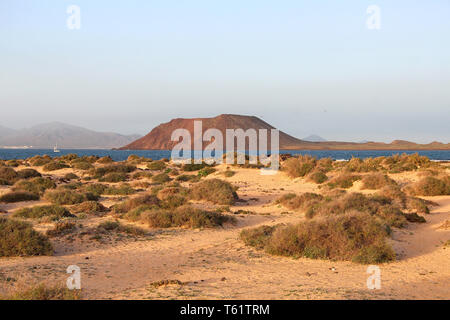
306, 67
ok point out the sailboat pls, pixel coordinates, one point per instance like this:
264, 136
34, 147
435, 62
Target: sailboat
55, 149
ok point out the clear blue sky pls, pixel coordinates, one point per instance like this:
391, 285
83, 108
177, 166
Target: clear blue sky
304, 66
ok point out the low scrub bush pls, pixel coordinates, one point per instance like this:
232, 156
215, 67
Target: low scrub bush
299, 202
123, 189
214, 190
51, 212
18, 196
376, 181
61, 228
344, 180
90, 207
8, 174
34, 185
38, 161
115, 226
318, 177
43, 292
114, 177
18, 238
430, 186
350, 237
185, 216
157, 165
161, 178
206, 171
132, 203
28, 173
67, 197
299, 166
53, 166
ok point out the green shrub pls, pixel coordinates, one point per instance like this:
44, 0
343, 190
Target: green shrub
206, 171
187, 177
18, 238
27, 174
350, 237
156, 165
161, 178
105, 160
18, 196
185, 216
35, 185
114, 177
229, 173
96, 188
215, 191
38, 161
318, 177
8, 174
71, 176
82, 165
115, 226
113, 168
51, 212
53, 166
123, 189
66, 197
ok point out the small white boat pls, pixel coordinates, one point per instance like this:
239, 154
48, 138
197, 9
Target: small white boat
55, 149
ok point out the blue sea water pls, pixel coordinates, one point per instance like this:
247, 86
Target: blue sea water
120, 155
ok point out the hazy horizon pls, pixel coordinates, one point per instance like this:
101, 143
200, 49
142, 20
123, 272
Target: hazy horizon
302, 66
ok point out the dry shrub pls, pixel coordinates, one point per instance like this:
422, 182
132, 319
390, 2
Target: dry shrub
42, 292
114, 177
185, 216
90, 207
206, 171
61, 228
366, 165
18, 238
400, 163
299, 166
351, 237
132, 203
50, 212
66, 197
214, 190
303, 201
18, 196
105, 160
96, 188
401, 200
430, 186
71, 176
229, 173
376, 181
344, 180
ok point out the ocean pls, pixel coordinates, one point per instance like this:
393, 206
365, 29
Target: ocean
120, 155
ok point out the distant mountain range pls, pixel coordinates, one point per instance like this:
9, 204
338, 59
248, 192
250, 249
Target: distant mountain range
160, 137
67, 136
314, 138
